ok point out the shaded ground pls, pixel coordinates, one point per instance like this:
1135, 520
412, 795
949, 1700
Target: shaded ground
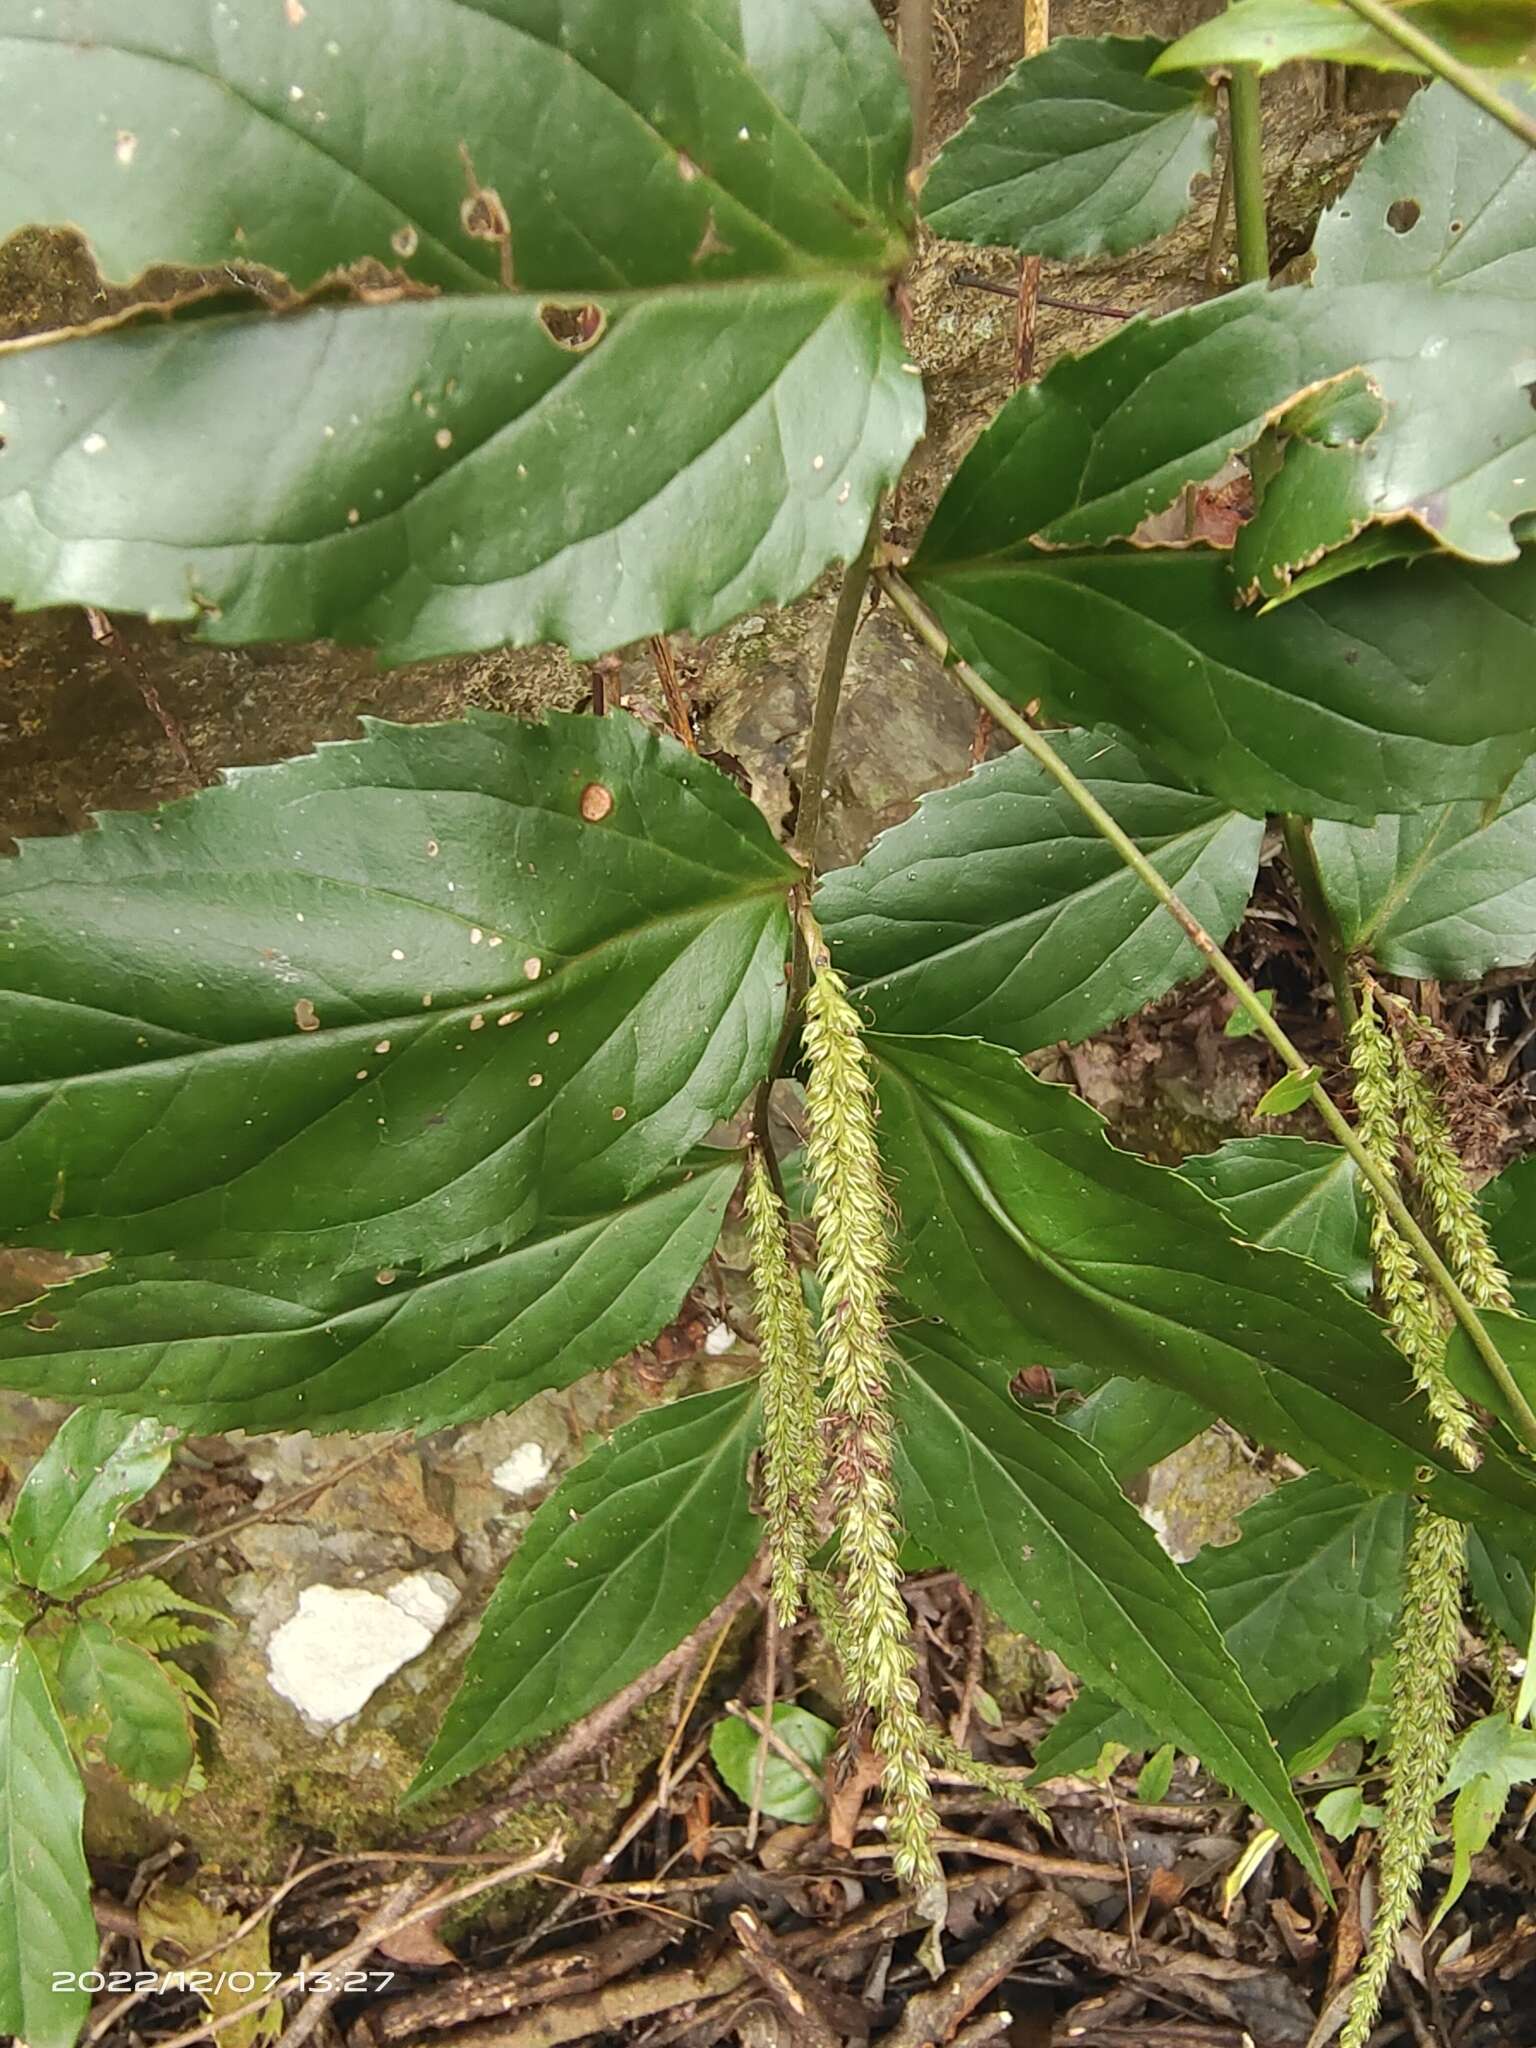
689, 1921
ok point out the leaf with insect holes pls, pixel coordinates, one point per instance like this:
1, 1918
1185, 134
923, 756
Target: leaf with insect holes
376, 1074
1446, 894
687, 404
46, 1924
1492, 34
1077, 153
998, 909
97, 1465
1033, 1238
783, 1793
628, 1554
1032, 1519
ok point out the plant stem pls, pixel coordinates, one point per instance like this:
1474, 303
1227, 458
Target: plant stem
915, 30
1465, 77
829, 691
1037, 39
1244, 114
928, 630
1323, 930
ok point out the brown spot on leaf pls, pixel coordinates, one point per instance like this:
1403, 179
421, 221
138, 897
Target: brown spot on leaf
576, 328
304, 1015
596, 802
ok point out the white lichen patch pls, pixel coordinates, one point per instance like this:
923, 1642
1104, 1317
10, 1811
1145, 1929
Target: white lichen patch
526, 1468
333, 1655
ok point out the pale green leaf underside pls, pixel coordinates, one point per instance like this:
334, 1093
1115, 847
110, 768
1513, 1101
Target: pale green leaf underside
1373, 694
998, 910
372, 1072
1032, 1519
97, 1465
643, 1539
1035, 1239
1078, 153
46, 1923
1447, 198
1268, 33
431, 474
1440, 893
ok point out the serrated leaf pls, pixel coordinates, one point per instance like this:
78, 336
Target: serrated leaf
715, 184
97, 1465
1490, 1760
146, 1733
1447, 197
784, 1793
627, 1555
998, 909
1290, 1093
1438, 894
1492, 34
1372, 694
1033, 1238
1313, 1581
46, 1923
1287, 1193
370, 1072
1106, 438
1032, 1519
1296, 1196
1077, 153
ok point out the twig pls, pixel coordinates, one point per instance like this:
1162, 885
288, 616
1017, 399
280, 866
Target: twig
392, 1914
915, 30
829, 691
357, 1949
672, 690
766, 1732
275, 1511
770, 1691
932, 2016
928, 630
664, 1767
1037, 37
973, 281
1323, 928
782, 1984
1465, 77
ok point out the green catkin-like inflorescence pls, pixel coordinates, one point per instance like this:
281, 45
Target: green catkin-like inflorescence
852, 1223
791, 1421
1390, 1093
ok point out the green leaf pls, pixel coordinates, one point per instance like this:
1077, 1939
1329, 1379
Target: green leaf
1033, 1238
628, 1554
1510, 1203
1106, 438
785, 1794
1076, 154
46, 1923
1134, 1423
1296, 1196
997, 909
97, 1465
370, 1072
445, 464
1447, 197
1032, 1519
1493, 34
1241, 1024
1490, 1760
108, 1684
1343, 1812
1515, 1339
1501, 1585
1375, 693
1438, 894
1156, 1775
1291, 1092
1314, 1580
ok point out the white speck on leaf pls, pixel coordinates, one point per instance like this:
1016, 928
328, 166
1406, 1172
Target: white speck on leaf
93, 444
127, 144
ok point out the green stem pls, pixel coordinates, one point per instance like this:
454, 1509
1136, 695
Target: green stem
829, 693
1429, 54
1247, 147
929, 631
1323, 928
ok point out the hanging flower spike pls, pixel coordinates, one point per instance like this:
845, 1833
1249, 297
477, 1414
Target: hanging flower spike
791, 1426
851, 1215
